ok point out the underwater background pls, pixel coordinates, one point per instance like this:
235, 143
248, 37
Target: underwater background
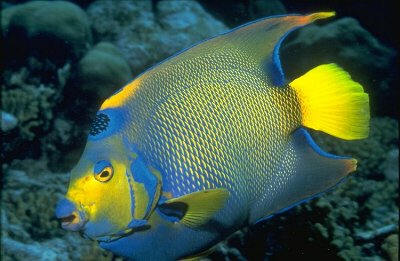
61, 59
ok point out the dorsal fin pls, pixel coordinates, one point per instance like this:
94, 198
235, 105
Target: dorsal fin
259, 40
262, 39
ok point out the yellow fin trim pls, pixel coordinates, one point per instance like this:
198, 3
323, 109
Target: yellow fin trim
122, 96
201, 205
321, 15
332, 102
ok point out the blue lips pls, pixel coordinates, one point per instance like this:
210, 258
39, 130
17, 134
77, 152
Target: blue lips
71, 218
64, 208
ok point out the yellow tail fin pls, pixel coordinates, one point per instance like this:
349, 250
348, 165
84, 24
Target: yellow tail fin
332, 102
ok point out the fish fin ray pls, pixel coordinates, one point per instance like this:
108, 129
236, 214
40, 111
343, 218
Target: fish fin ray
258, 40
314, 172
332, 102
262, 39
196, 208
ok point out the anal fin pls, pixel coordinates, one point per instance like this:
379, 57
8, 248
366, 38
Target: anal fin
305, 172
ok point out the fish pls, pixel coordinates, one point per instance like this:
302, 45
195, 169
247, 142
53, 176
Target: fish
209, 141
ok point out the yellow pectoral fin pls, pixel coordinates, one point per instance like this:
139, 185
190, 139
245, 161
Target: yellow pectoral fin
197, 208
332, 102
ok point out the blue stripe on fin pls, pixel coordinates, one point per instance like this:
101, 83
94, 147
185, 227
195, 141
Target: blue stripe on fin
274, 67
317, 148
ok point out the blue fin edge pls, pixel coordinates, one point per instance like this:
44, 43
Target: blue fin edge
278, 65
275, 68
318, 150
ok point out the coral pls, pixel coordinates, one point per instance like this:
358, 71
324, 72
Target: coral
31, 104
29, 199
391, 247
44, 25
30, 230
63, 145
390, 167
102, 71
147, 33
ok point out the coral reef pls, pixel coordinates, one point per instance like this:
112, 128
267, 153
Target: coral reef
54, 81
51, 29
390, 166
30, 100
31, 93
29, 229
30, 104
147, 32
391, 247
240, 12
102, 71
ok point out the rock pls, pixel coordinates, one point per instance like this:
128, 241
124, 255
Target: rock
235, 13
346, 43
102, 71
147, 32
56, 29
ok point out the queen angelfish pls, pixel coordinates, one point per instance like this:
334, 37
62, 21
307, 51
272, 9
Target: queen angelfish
209, 141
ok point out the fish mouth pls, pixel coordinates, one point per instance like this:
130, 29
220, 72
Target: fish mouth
71, 218
73, 222
68, 219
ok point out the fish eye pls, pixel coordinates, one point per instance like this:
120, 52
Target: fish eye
103, 171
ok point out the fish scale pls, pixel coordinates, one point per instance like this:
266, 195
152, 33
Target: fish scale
246, 116
209, 141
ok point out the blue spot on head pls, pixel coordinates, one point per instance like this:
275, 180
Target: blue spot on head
106, 123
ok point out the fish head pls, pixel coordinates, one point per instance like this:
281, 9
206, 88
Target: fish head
99, 200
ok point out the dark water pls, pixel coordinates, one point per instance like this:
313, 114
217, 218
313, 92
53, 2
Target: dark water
56, 75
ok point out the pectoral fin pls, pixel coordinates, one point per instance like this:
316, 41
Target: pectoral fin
197, 208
